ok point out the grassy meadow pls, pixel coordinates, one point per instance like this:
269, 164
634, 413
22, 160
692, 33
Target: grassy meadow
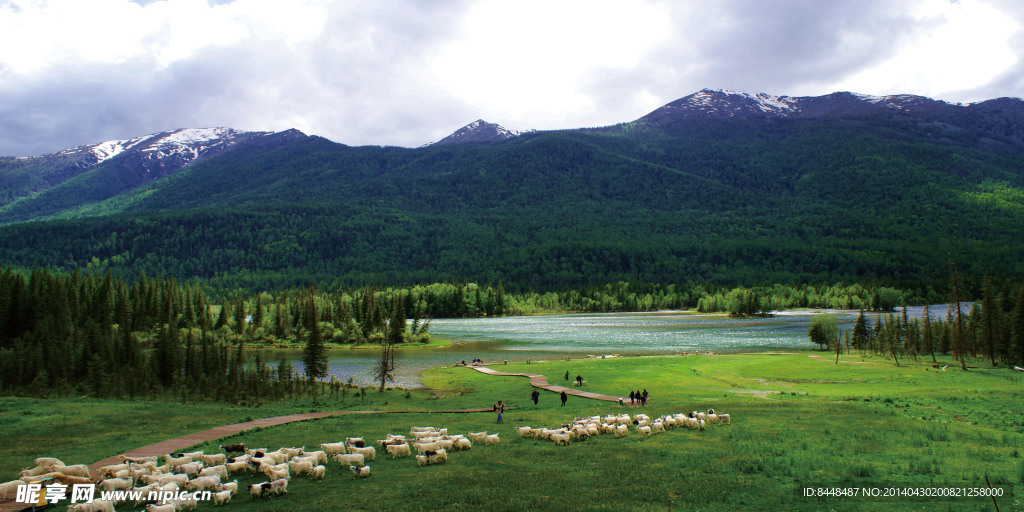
797, 422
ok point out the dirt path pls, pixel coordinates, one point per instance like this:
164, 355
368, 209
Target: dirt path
541, 381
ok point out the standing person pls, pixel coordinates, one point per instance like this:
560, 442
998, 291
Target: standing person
499, 408
643, 401
564, 398
579, 380
567, 375
632, 398
535, 395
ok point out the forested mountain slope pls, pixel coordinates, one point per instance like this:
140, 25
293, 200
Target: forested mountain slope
745, 195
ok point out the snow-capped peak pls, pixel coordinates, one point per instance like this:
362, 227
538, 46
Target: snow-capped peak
479, 131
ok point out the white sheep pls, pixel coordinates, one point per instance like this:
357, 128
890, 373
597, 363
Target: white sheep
318, 472
462, 444
362, 472
300, 467
560, 439
491, 439
221, 471
398, 450
10, 489
321, 456
231, 486
477, 437
523, 431
214, 459
438, 456
724, 419
644, 430
332, 448
422, 460
348, 459
176, 461
221, 498
369, 452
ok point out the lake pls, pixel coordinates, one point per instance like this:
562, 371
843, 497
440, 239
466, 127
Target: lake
578, 335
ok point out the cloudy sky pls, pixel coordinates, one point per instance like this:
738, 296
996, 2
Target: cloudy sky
397, 72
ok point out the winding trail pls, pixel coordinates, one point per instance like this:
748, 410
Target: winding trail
541, 381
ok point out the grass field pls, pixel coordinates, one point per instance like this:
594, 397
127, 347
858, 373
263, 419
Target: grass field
797, 422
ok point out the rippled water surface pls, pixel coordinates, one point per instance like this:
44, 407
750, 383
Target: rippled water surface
559, 336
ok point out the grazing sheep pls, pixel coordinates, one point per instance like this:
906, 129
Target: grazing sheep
95, 506
221, 471
205, 482
321, 456
279, 474
257, 490
115, 484
491, 439
369, 452
10, 489
332, 448
214, 459
438, 456
362, 472
398, 450
184, 504
300, 467
348, 459
48, 461
560, 439
423, 447
221, 498
712, 418
724, 419
176, 461
191, 469
279, 456
233, 448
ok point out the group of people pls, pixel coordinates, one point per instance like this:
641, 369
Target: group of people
579, 378
636, 396
476, 361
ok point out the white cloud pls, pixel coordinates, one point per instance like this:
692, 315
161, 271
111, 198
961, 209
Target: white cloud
405, 72
962, 45
527, 61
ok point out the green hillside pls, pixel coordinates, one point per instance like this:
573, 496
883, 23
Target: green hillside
729, 201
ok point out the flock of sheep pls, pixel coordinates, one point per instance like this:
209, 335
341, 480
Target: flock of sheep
583, 428
197, 471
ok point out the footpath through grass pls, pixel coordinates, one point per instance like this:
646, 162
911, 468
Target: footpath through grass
797, 422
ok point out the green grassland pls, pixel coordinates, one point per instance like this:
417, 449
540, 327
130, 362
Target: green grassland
797, 422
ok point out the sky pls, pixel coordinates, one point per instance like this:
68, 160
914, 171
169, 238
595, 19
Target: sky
408, 72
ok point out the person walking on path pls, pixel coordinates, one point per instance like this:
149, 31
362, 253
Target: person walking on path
631, 398
535, 395
564, 398
499, 408
643, 398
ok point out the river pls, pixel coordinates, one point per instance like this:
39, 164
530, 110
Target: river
578, 335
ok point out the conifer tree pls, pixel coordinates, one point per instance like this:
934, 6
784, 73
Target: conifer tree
314, 355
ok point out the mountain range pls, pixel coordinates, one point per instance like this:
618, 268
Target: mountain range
719, 185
